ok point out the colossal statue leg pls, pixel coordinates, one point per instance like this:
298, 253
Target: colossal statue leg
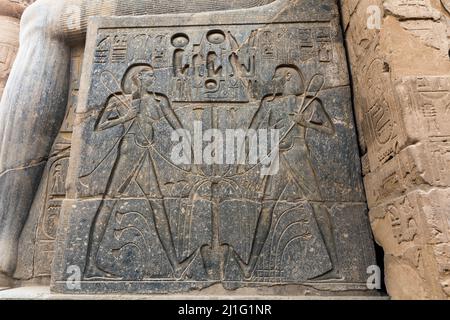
34, 100
31, 112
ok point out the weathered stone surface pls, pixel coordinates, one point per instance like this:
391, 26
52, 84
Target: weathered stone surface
420, 165
33, 109
10, 13
415, 236
134, 220
37, 99
9, 42
400, 66
36, 245
13, 8
214, 294
30, 118
401, 93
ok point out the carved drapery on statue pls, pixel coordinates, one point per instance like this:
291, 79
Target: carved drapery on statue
136, 219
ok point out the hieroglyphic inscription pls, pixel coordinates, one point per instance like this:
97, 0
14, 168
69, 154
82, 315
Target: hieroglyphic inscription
162, 225
37, 243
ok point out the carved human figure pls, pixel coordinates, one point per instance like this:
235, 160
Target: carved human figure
137, 108
35, 98
292, 110
58, 182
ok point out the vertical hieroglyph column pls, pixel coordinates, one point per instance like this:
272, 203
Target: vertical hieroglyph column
399, 54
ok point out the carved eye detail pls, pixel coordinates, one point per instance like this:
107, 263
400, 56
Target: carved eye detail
180, 40
216, 36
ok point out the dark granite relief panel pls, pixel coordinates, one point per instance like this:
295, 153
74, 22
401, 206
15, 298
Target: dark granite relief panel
138, 219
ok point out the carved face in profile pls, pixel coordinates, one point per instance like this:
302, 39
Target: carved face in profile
288, 81
139, 77
147, 79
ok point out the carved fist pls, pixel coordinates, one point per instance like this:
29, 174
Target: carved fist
135, 109
299, 119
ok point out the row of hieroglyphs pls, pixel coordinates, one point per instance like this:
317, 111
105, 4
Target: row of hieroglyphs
217, 65
401, 73
159, 47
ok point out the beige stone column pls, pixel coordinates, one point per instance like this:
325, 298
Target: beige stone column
399, 54
10, 12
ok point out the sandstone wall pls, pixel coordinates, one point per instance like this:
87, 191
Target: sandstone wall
399, 55
10, 13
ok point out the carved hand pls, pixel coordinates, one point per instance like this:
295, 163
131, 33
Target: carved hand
299, 119
134, 110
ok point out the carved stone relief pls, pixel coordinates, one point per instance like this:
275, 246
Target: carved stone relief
37, 242
402, 97
136, 219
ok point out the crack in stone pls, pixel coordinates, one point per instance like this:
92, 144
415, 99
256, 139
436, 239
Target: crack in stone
28, 166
